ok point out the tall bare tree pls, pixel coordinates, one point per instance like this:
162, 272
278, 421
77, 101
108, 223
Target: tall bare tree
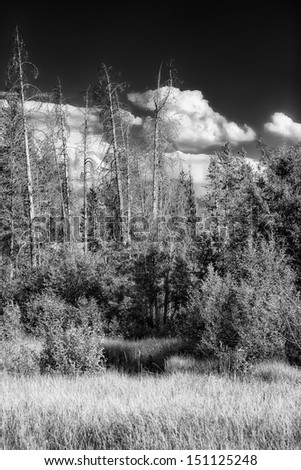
17, 84
86, 161
109, 104
62, 131
160, 101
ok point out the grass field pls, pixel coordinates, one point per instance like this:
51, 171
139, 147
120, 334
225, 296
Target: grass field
176, 410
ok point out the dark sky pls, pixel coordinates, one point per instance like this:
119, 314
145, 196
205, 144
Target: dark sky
244, 60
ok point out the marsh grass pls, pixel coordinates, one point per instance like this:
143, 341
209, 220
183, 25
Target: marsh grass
135, 356
187, 363
277, 371
179, 410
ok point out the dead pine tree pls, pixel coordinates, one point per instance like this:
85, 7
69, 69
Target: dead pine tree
65, 179
129, 189
116, 132
125, 151
86, 161
17, 84
59, 179
160, 102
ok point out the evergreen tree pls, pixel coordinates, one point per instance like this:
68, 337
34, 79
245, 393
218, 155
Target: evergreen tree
281, 189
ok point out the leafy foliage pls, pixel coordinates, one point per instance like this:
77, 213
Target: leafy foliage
12, 327
247, 310
74, 350
20, 357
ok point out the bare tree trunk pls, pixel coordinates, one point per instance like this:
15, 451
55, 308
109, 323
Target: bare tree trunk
129, 192
166, 298
116, 153
59, 181
159, 102
66, 180
31, 215
156, 154
126, 149
85, 171
140, 185
12, 227
156, 168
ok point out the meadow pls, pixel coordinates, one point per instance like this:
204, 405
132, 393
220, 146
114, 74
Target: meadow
188, 407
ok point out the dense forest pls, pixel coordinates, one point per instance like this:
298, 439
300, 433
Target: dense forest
135, 254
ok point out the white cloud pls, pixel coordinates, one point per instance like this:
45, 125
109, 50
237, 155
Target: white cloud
285, 127
137, 121
42, 117
129, 119
196, 163
198, 125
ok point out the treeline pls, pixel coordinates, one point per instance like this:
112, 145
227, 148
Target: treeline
145, 262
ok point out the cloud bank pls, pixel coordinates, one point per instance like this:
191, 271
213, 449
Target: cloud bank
196, 163
285, 127
198, 125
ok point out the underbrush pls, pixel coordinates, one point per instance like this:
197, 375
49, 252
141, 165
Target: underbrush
72, 351
21, 355
78, 350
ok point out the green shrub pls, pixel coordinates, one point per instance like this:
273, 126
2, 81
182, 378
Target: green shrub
239, 317
293, 332
90, 315
101, 289
20, 356
46, 312
12, 327
72, 351
242, 315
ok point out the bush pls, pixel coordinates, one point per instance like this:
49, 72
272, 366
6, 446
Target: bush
293, 332
12, 327
241, 317
21, 356
90, 315
86, 286
46, 312
72, 351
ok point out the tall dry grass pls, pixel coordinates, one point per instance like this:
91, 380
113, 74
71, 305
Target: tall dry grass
181, 410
